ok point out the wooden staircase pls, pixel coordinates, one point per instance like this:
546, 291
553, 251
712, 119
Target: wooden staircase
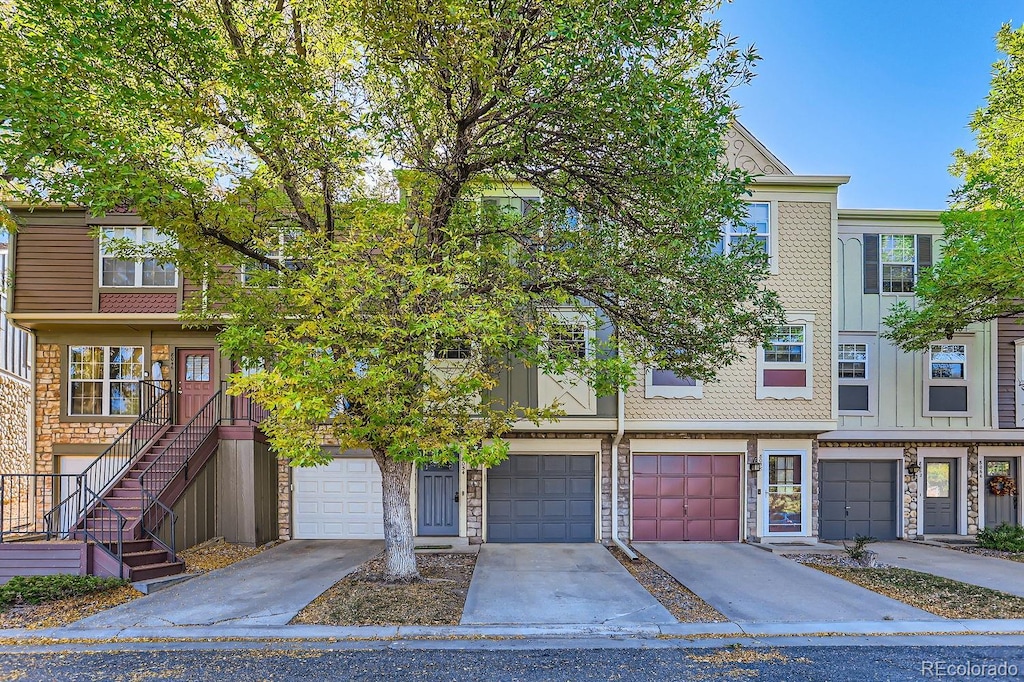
144, 558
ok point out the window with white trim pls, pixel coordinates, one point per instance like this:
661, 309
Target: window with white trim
755, 226
104, 380
946, 375
664, 383
149, 272
898, 260
854, 358
784, 364
276, 249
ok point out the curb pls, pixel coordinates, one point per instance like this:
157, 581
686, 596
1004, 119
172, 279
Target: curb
535, 632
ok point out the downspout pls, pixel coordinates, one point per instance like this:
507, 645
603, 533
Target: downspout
619, 431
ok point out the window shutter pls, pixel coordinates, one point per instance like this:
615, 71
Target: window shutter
871, 279
924, 251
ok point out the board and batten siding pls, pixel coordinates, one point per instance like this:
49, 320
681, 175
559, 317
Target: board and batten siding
1011, 330
55, 262
900, 376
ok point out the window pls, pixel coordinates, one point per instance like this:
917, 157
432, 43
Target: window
664, 383
856, 384
898, 257
454, 350
946, 388
784, 364
570, 339
149, 272
278, 255
756, 226
103, 380
787, 345
948, 361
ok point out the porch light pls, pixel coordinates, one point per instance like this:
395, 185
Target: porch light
755, 465
913, 468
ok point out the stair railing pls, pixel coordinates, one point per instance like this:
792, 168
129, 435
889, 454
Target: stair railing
175, 458
104, 471
105, 527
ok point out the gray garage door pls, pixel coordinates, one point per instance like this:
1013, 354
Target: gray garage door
541, 498
858, 498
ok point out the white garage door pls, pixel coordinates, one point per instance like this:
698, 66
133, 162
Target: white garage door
339, 501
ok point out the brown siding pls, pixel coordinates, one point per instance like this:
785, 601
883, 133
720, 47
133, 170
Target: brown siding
1010, 330
55, 262
42, 558
265, 493
138, 303
191, 289
195, 510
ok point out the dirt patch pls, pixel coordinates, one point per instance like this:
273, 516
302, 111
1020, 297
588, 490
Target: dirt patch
684, 605
941, 596
363, 598
998, 554
216, 553
65, 611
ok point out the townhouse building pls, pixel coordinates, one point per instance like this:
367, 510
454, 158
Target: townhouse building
827, 432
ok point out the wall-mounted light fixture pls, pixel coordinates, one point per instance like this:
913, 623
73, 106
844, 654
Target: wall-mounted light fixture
755, 465
913, 468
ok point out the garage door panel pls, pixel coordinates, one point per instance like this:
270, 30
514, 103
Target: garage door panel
341, 500
697, 497
670, 486
858, 490
858, 471
550, 498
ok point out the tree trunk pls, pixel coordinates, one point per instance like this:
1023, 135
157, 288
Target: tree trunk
399, 557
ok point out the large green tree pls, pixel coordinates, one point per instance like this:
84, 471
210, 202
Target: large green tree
255, 133
979, 276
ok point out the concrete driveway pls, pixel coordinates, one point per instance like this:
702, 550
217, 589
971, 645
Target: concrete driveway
267, 589
543, 584
747, 584
997, 574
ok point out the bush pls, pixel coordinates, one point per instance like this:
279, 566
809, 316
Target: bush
37, 589
1005, 538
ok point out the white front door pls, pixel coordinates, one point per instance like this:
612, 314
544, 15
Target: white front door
341, 500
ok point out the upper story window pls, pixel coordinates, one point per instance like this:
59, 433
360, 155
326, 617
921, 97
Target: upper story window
664, 383
756, 226
784, 364
898, 256
276, 251
946, 387
454, 350
104, 380
116, 272
892, 262
856, 383
570, 338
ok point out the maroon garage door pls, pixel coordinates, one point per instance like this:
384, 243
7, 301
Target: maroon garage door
686, 497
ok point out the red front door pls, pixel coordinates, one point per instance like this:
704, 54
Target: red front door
195, 381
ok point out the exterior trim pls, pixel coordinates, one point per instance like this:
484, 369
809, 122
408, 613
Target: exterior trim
924, 435
688, 445
737, 426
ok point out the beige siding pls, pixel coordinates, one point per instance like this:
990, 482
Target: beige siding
804, 283
55, 259
900, 376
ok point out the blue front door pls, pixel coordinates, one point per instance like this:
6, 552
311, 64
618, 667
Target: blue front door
438, 493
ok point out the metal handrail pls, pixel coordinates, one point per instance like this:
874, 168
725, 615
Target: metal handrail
159, 511
107, 469
157, 476
116, 521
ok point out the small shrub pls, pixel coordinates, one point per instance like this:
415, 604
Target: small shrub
1005, 538
859, 552
37, 589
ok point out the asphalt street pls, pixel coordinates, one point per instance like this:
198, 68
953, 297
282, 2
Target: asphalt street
883, 663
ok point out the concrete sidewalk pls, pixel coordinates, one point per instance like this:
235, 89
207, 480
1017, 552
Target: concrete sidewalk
268, 589
530, 584
975, 569
749, 585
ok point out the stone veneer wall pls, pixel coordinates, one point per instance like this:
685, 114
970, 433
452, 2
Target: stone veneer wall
475, 505
972, 489
284, 499
15, 400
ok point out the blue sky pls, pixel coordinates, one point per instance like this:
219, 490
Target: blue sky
881, 90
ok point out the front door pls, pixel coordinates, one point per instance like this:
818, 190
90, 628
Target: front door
195, 381
438, 494
1000, 507
940, 496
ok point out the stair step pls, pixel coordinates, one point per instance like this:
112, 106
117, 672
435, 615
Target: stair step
147, 557
130, 546
150, 571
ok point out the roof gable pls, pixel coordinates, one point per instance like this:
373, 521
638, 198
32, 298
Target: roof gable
745, 152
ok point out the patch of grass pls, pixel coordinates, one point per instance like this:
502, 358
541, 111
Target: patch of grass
364, 598
38, 589
940, 596
1004, 538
